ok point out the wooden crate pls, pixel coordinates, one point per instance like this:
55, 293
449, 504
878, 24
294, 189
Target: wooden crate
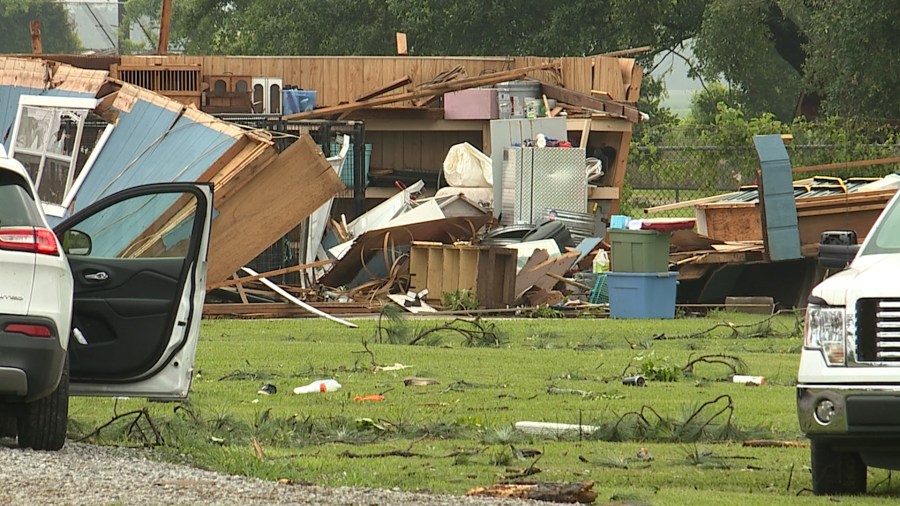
489, 272
178, 82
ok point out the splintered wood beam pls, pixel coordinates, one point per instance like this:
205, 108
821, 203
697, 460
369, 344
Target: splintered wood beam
399, 83
540, 491
426, 91
37, 44
578, 99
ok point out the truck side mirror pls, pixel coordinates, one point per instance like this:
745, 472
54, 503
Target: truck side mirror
837, 248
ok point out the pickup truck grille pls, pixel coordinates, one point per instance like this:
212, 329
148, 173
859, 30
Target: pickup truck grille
878, 330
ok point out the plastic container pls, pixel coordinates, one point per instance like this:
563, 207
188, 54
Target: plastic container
642, 295
320, 386
515, 93
639, 250
295, 101
619, 221
601, 261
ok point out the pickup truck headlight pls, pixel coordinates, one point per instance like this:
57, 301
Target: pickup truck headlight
826, 331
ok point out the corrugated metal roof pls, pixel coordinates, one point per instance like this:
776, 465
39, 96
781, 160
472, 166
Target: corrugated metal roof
152, 144
821, 185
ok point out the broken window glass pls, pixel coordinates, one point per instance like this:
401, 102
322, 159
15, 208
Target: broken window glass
49, 143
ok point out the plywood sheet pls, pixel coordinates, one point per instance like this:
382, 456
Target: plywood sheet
267, 207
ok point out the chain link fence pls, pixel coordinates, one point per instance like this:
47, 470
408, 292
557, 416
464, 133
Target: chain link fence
659, 175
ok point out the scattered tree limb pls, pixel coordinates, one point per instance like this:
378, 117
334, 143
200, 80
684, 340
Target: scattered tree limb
537, 491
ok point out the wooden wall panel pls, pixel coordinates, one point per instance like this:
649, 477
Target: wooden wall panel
342, 78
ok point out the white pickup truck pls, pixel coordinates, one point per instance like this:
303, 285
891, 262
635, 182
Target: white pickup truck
848, 386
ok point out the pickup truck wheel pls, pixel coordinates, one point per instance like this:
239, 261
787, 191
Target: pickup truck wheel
836, 473
42, 424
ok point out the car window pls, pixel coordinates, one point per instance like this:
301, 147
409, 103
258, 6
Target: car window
17, 208
145, 226
885, 237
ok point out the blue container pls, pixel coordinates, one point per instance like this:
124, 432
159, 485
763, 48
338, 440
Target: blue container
618, 221
295, 101
347, 171
642, 295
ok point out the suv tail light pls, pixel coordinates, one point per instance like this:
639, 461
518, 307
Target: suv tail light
29, 329
32, 239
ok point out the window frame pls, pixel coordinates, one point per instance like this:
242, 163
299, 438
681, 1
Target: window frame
58, 209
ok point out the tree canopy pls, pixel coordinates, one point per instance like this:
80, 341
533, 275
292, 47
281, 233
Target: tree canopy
766, 52
57, 32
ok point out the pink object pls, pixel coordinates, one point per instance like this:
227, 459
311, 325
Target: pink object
475, 103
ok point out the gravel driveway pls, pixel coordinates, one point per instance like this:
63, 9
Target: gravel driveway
82, 474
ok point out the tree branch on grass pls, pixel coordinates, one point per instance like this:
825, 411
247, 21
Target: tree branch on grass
133, 427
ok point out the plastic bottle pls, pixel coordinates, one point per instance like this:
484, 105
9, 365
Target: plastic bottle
601, 261
748, 380
320, 386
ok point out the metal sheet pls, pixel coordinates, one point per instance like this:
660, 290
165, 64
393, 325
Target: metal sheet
549, 178
506, 133
782, 233
152, 144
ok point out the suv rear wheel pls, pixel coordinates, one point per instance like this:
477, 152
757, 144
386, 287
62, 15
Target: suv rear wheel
42, 424
835, 472
8, 426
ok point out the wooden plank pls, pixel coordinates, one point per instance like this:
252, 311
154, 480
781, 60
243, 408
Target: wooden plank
633, 93
267, 207
584, 100
603, 193
381, 90
236, 280
608, 77
402, 49
585, 132
332, 85
688, 203
626, 52
460, 84
845, 165
240, 288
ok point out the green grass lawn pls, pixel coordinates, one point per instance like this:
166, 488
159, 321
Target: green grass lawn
458, 434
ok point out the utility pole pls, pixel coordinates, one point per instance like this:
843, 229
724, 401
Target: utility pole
165, 19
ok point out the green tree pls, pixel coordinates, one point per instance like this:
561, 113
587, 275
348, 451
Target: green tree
853, 56
57, 31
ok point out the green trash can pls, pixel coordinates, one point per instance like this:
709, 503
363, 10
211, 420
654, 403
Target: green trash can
639, 250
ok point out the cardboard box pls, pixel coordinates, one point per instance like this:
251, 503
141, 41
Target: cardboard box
475, 103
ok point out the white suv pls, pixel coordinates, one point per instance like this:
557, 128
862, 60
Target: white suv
106, 304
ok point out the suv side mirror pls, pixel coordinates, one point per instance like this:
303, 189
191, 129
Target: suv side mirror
76, 242
837, 248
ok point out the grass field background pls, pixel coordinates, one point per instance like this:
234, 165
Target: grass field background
459, 434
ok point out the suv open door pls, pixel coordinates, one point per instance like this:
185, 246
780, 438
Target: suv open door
138, 259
